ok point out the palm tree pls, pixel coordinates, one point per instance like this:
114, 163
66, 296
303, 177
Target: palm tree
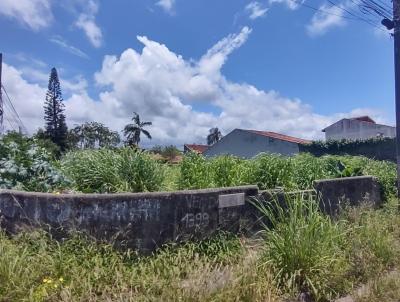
133, 131
214, 136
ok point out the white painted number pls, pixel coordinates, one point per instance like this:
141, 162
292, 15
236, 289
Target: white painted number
196, 220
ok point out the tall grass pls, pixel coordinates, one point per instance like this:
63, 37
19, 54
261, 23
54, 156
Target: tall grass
270, 171
33, 267
303, 252
303, 247
106, 171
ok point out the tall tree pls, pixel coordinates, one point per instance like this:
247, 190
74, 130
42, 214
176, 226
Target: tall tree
133, 131
92, 135
213, 136
56, 127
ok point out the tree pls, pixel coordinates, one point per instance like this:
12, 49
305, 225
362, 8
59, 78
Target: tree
167, 152
133, 131
213, 136
56, 127
92, 135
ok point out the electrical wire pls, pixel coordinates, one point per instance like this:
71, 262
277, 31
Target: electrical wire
13, 112
350, 16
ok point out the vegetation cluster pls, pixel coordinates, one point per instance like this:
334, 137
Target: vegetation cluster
302, 255
32, 164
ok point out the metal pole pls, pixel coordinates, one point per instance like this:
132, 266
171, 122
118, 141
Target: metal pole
396, 37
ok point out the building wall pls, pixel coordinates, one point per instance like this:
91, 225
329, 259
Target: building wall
247, 145
354, 129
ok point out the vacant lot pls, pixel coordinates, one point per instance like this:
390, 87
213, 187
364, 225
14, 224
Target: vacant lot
303, 254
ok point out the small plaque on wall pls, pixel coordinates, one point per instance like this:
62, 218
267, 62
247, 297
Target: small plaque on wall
231, 200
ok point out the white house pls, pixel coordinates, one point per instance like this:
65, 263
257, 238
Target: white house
362, 127
249, 143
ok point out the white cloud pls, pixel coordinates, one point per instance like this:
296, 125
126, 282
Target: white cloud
167, 5
87, 22
27, 98
71, 49
255, 10
325, 19
291, 4
35, 14
165, 88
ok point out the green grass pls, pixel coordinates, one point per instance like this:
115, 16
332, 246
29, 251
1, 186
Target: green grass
270, 171
219, 269
109, 171
303, 247
301, 252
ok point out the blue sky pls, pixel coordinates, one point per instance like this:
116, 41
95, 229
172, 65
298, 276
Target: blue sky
267, 65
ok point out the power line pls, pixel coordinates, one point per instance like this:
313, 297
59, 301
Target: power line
349, 11
351, 16
18, 119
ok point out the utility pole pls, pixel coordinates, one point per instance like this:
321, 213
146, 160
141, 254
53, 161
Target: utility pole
1, 96
396, 38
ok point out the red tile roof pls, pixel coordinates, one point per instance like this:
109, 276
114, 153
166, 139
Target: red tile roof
364, 118
280, 136
197, 148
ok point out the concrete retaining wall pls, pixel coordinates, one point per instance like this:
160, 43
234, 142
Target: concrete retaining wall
351, 191
145, 221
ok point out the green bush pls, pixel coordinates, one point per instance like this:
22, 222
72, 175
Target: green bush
107, 171
26, 166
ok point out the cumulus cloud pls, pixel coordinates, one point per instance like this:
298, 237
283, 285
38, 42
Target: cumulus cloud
167, 5
255, 10
325, 19
165, 88
27, 98
87, 22
35, 14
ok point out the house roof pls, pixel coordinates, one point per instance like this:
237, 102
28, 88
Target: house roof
196, 148
281, 137
364, 118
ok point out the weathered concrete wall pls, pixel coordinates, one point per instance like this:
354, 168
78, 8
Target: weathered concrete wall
143, 221
333, 195
351, 191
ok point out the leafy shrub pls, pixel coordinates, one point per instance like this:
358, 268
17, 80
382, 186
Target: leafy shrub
27, 166
375, 148
106, 171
